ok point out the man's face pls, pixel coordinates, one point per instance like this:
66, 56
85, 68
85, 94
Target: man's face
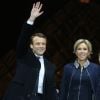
38, 45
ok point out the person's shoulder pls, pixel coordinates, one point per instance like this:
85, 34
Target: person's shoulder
47, 60
94, 64
68, 65
50, 63
22, 62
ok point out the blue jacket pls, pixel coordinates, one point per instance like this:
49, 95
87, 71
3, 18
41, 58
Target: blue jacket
80, 85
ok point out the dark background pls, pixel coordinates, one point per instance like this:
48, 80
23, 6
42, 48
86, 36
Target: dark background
14, 13
64, 21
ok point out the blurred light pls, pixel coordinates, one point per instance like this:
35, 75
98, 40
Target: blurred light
85, 1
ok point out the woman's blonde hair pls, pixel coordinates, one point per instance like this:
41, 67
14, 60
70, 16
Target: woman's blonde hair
87, 42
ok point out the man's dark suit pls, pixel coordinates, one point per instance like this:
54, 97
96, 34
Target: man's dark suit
23, 85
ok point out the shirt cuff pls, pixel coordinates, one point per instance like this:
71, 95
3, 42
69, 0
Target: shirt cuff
30, 22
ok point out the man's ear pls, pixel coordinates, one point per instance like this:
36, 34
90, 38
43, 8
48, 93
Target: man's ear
31, 46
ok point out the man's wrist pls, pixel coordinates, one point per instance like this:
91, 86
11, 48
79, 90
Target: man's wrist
30, 22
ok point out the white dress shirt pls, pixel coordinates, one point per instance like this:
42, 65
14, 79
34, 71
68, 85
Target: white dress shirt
41, 75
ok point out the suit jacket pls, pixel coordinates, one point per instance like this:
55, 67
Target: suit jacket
84, 85
23, 85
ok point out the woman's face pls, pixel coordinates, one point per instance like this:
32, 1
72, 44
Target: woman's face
82, 52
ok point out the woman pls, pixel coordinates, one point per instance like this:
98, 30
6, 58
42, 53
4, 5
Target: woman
81, 79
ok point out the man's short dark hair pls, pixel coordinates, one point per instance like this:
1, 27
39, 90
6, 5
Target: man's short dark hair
41, 35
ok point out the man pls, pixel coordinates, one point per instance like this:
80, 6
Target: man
34, 78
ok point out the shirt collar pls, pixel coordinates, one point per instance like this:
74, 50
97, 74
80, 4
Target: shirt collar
38, 56
85, 65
